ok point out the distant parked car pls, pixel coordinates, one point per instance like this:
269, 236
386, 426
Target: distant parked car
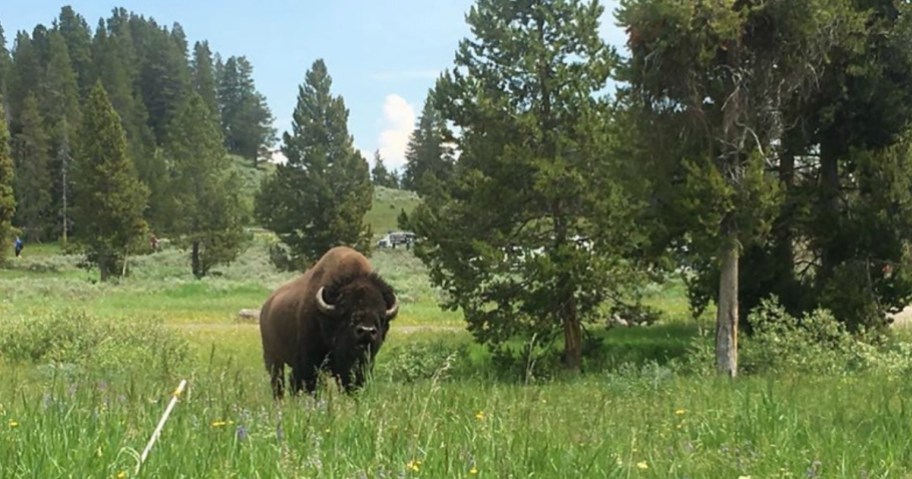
397, 238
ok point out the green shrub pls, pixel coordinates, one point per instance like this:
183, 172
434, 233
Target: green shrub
781, 343
78, 339
413, 361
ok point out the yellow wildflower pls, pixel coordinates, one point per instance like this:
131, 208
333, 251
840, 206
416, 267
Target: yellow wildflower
680, 412
473, 470
642, 465
414, 465
480, 415
121, 475
13, 424
218, 423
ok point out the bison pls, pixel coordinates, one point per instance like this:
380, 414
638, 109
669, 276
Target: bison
333, 317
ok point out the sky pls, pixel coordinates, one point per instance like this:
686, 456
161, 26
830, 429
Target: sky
383, 55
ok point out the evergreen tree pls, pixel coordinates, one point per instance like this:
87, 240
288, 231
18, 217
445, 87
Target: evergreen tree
5, 71
78, 38
25, 75
523, 239
59, 91
203, 77
429, 158
380, 175
60, 107
246, 119
857, 125
209, 213
164, 80
117, 68
317, 199
110, 199
718, 77
7, 196
31, 153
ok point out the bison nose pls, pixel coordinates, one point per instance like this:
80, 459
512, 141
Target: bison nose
366, 332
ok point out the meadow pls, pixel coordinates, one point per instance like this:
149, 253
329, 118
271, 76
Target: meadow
88, 369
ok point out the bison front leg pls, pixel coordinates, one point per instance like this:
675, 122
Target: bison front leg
352, 378
304, 376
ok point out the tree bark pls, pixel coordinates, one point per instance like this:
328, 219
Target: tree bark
829, 182
727, 313
195, 260
573, 335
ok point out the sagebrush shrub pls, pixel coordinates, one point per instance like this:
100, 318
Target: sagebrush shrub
92, 343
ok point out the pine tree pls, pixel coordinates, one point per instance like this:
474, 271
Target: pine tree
25, 75
524, 237
78, 38
209, 213
246, 119
110, 199
203, 77
164, 79
31, 153
7, 196
116, 66
380, 175
60, 108
719, 77
5, 70
429, 158
318, 199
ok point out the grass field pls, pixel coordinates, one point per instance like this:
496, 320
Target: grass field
88, 368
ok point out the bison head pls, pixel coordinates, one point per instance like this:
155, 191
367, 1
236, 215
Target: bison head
359, 311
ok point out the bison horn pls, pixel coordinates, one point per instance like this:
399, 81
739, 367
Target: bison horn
394, 309
323, 305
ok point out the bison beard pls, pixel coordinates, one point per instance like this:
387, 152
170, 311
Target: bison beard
334, 317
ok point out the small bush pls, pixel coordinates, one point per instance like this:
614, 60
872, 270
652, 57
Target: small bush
413, 361
91, 343
781, 343
816, 343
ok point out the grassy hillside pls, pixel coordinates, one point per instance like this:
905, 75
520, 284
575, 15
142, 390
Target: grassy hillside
387, 205
382, 217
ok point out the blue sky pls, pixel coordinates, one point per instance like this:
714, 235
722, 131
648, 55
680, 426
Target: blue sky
383, 55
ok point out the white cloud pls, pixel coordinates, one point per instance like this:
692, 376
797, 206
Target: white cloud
398, 123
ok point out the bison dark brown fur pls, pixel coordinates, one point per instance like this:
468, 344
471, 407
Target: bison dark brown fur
333, 317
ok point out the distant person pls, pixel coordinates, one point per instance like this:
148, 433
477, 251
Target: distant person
18, 246
153, 242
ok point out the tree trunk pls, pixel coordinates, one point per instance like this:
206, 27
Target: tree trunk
573, 335
727, 313
195, 260
829, 182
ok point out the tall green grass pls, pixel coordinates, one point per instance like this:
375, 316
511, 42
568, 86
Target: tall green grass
646, 425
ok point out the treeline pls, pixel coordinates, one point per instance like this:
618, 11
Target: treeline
762, 148
181, 109
758, 148
149, 71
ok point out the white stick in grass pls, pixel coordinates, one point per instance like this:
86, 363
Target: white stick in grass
161, 423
